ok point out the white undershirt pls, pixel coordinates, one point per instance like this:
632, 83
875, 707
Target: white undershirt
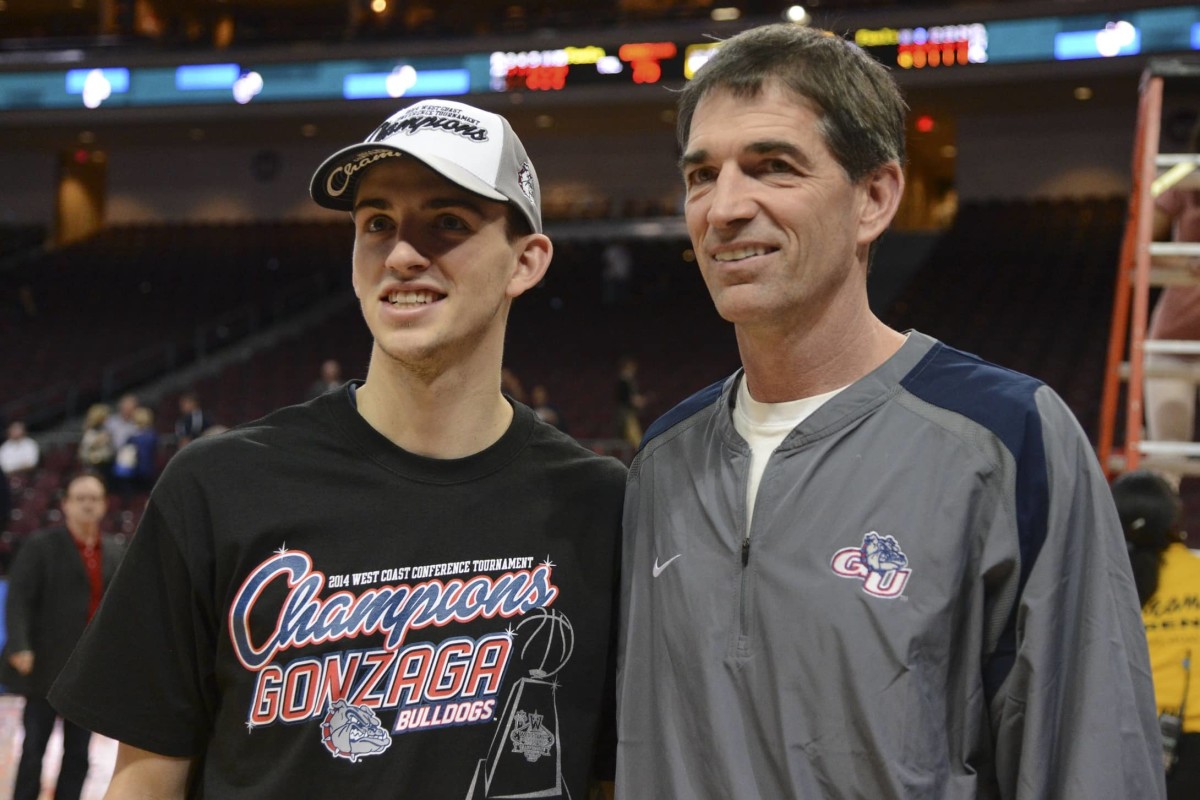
764, 426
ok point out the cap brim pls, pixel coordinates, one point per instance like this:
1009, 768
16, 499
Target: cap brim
323, 195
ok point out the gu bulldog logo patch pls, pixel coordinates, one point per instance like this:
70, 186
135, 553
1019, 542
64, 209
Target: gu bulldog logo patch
879, 563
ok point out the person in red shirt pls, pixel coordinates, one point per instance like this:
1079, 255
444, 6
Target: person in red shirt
55, 587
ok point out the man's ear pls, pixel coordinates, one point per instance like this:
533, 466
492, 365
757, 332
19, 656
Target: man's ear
532, 263
883, 190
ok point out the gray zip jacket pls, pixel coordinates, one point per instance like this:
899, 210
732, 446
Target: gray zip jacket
933, 600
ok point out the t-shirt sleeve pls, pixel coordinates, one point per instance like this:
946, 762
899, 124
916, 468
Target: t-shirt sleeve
143, 672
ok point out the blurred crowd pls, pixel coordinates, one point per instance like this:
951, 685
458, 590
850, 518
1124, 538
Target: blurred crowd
124, 445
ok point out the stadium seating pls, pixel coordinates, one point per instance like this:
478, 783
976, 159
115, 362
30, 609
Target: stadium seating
1026, 284
136, 302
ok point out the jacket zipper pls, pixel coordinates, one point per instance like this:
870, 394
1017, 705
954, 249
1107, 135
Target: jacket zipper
743, 644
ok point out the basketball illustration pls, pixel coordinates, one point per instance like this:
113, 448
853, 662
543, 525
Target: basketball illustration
545, 640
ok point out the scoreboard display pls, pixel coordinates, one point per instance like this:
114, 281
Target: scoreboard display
921, 48
575, 66
555, 70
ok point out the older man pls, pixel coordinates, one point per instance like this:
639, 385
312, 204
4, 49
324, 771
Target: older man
866, 565
54, 588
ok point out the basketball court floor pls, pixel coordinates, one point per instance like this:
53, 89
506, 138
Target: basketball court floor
103, 752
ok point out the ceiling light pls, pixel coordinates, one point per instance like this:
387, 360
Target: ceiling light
797, 14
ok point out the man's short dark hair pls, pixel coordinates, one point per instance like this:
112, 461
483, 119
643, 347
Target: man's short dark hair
516, 225
862, 112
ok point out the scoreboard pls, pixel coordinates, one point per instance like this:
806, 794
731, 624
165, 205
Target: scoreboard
577, 65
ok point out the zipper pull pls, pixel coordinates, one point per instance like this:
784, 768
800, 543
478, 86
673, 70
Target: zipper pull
745, 551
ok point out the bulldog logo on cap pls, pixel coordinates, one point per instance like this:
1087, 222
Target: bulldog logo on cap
525, 181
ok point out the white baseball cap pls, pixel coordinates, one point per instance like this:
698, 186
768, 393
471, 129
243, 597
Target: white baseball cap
470, 147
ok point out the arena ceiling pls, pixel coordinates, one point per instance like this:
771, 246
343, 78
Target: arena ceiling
941, 95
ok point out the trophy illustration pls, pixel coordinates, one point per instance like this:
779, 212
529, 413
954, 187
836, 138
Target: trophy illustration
525, 759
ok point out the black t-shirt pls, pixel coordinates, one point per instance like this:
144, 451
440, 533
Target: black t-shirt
307, 608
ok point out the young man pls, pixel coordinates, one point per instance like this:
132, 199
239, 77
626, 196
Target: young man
866, 565
403, 587
54, 588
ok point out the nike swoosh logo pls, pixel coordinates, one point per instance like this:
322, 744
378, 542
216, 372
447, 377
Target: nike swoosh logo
658, 568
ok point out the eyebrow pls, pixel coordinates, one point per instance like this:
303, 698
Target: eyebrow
694, 157
436, 204
381, 205
762, 147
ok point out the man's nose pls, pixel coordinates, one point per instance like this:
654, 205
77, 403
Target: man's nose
731, 199
404, 258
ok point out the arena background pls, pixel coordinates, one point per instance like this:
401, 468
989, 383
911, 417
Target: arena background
155, 244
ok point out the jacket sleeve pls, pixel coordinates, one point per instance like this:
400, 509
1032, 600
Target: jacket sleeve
1075, 716
24, 596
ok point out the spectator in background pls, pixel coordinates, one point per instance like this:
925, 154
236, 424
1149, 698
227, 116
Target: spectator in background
121, 424
511, 385
5, 506
630, 402
193, 420
55, 585
135, 467
617, 273
96, 450
539, 400
1171, 401
1167, 575
330, 379
19, 453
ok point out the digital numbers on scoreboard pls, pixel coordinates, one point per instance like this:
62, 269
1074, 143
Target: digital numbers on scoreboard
923, 48
555, 70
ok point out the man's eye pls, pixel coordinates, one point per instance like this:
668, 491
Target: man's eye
778, 165
450, 222
377, 223
701, 175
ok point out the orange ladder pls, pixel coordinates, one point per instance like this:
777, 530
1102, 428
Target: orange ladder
1144, 264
